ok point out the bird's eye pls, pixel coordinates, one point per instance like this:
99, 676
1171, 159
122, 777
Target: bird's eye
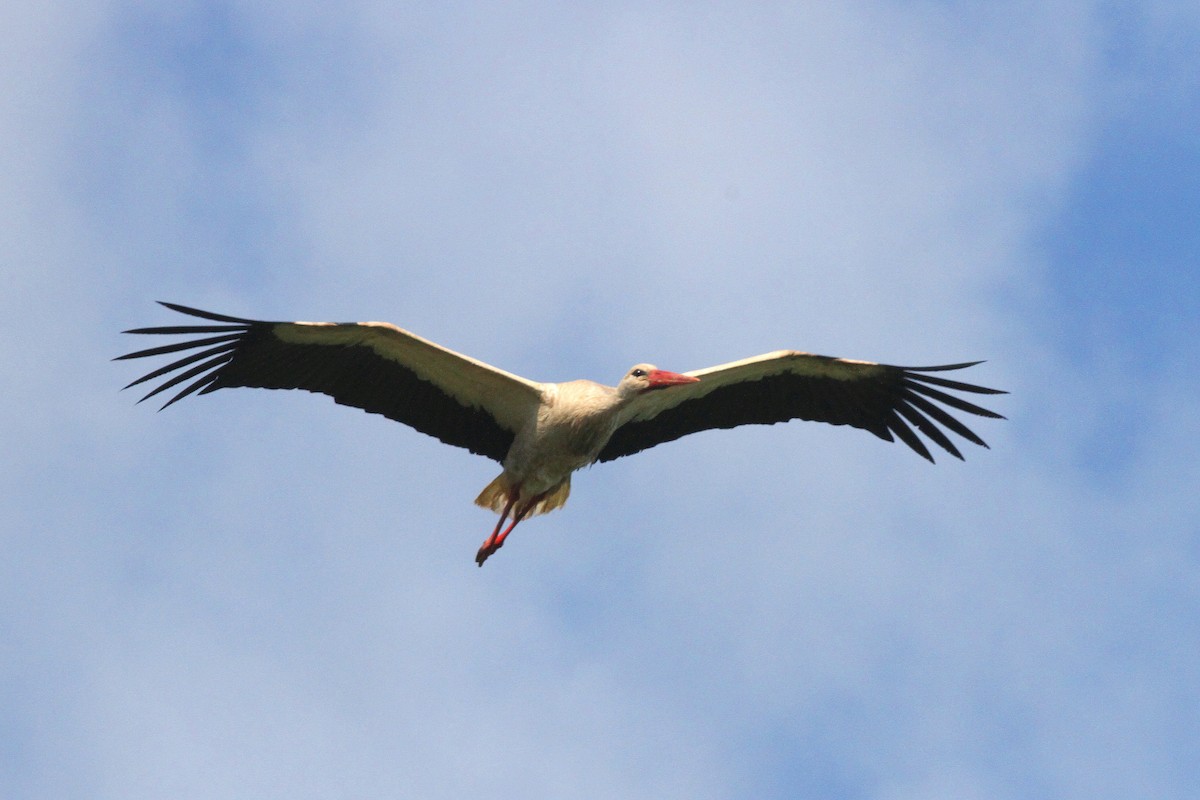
639, 373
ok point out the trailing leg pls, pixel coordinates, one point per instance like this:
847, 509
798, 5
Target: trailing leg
493, 542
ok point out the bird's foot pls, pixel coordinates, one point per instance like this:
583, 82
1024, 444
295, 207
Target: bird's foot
491, 545
496, 540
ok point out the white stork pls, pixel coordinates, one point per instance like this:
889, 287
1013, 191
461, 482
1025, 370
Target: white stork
543, 432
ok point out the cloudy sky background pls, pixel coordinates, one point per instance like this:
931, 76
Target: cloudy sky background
266, 595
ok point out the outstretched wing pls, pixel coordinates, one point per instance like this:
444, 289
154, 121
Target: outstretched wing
776, 387
369, 365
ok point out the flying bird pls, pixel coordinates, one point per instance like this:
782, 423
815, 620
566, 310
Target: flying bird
542, 432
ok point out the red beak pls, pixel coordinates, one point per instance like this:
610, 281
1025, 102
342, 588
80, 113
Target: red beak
660, 377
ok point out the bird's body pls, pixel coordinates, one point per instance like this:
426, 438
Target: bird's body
543, 432
571, 426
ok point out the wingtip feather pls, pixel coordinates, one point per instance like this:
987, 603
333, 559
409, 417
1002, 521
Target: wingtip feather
196, 312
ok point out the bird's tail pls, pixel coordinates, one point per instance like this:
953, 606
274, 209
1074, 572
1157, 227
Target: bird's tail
495, 496
555, 498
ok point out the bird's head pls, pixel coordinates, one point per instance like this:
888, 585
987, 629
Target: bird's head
647, 377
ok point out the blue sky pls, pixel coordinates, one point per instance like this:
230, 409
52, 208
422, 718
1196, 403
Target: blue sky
266, 595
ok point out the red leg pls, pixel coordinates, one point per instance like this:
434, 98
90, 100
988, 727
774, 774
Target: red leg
520, 515
495, 542
490, 544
